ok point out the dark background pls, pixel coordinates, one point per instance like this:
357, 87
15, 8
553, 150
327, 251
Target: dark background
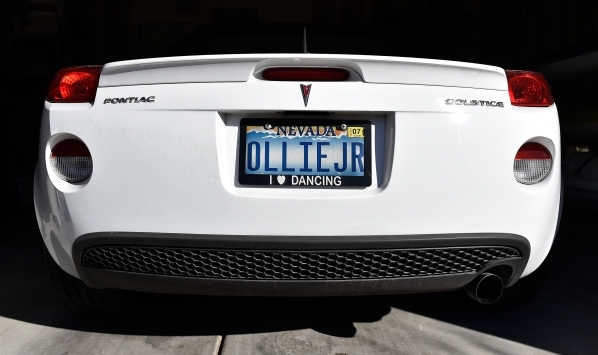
557, 38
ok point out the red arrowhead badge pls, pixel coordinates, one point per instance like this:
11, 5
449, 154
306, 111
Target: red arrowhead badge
305, 89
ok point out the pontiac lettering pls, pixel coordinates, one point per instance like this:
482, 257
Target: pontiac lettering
129, 100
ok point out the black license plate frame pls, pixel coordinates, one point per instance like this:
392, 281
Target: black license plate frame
274, 179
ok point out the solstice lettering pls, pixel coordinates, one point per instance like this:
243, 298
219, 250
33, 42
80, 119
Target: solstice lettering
474, 103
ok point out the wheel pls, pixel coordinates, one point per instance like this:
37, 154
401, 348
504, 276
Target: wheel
527, 288
77, 295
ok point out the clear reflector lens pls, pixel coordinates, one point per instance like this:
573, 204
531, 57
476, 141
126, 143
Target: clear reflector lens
71, 161
532, 163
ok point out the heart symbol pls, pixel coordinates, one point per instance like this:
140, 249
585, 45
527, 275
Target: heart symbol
280, 179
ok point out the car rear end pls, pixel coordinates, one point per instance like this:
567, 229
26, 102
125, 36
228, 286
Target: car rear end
447, 176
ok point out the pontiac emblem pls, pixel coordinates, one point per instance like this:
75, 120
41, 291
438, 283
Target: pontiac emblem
305, 89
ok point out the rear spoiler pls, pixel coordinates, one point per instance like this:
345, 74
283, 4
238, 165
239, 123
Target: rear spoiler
242, 68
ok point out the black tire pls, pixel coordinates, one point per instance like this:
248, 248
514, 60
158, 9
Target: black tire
77, 295
527, 288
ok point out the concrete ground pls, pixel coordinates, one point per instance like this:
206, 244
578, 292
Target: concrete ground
563, 319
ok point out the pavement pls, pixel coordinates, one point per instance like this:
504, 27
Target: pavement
563, 319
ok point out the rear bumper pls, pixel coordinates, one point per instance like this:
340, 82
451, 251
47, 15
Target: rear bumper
172, 168
441, 278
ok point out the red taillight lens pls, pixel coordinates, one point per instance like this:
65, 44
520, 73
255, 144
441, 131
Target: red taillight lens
532, 163
305, 74
533, 151
527, 88
71, 161
75, 84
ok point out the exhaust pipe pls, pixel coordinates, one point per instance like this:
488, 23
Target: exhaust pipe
486, 288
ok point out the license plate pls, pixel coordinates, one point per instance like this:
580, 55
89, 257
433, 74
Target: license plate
305, 153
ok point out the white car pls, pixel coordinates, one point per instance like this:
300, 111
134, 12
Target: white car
297, 175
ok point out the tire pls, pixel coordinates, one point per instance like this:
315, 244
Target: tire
74, 293
525, 289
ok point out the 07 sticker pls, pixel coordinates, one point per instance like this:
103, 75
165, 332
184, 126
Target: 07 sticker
355, 132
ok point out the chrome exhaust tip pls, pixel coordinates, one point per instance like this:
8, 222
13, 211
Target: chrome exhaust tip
485, 289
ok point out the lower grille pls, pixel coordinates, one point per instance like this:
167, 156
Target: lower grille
294, 265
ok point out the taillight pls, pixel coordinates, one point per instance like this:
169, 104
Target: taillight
532, 163
71, 161
528, 88
75, 84
305, 74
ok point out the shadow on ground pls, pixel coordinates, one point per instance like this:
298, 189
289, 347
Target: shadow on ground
562, 319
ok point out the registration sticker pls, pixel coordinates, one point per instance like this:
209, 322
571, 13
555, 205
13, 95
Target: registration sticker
355, 132
295, 153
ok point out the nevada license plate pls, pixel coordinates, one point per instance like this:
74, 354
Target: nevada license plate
300, 153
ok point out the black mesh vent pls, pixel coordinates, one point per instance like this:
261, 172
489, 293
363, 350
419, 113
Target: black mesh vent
294, 265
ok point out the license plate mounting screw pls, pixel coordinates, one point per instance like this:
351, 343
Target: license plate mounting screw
343, 127
268, 126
